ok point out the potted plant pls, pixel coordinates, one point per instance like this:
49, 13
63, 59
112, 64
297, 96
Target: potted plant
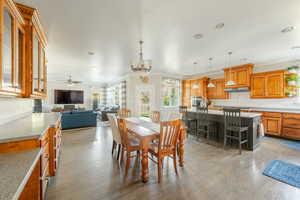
293, 69
292, 80
290, 93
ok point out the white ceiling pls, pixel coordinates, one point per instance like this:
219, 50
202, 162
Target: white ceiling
111, 29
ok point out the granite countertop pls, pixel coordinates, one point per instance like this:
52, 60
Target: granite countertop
15, 170
29, 127
265, 109
243, 114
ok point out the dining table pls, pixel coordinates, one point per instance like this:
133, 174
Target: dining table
146, 131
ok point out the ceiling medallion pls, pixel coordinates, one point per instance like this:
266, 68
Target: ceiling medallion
143, 67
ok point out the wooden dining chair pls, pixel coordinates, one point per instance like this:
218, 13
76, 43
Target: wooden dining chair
155, 116
117, 142
129, 144
166, 146
124, 113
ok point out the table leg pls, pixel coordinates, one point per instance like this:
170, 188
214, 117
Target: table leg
145, 169
181, 147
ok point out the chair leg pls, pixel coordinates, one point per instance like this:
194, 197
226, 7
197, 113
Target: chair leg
175, 163
122, 154
113, 147
127, 163
240, 142
119, 148
225, 138
159, 169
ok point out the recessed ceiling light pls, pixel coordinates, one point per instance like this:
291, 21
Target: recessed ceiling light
287, 29
220, 25
198, 36
91, 53
195, 63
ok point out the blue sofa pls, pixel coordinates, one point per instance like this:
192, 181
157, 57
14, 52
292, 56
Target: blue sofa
78, 119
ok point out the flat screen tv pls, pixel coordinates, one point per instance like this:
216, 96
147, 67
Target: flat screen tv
68, 97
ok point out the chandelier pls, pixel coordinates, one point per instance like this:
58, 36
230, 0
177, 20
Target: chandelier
143, 66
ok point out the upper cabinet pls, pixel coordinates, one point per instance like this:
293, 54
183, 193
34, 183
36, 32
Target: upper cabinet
268, 85
199, 87
186, 93
35, 44
217, 92
240, 75
12, 62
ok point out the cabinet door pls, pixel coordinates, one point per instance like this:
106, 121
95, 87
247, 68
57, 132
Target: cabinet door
195, 88
220, 86
275, 85
42, 67
19, 59
230, 75
211, 91
258, 86
186, 92
272, 125
7, 48
35, 63
242, 78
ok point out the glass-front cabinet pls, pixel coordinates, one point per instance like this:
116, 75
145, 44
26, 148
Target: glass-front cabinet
12, 51
35, 44
23, 58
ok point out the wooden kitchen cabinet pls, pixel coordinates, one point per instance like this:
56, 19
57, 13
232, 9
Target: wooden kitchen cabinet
291, 125
268, 85
12, 80
239, 74
217, 92
186, 93
32, 188
35, 44
272, 125
199, 87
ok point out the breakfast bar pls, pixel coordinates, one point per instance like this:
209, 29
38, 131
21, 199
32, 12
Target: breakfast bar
251, 120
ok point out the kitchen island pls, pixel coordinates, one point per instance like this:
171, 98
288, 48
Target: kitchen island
252, 120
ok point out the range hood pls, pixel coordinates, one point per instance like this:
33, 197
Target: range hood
241, 89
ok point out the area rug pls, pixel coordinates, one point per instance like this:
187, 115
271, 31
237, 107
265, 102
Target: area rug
284, 172
292, 145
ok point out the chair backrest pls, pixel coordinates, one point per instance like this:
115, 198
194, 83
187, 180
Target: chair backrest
114, 128
155, 116
183, 111
232, 117
169, 133
123, 132
124, 113
202, 115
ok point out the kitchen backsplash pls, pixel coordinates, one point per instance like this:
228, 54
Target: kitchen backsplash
242, 99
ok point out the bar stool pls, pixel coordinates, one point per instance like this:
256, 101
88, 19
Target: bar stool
233, 127
204, 125
188, 121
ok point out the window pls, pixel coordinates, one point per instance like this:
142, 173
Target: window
171, 92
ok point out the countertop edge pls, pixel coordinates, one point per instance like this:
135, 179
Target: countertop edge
27, 176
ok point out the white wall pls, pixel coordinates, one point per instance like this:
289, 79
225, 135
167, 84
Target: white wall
12, 108
155, 81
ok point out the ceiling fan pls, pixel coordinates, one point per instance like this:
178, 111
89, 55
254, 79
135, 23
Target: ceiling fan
71, 82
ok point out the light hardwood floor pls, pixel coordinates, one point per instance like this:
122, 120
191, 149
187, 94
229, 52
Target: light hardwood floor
88, 171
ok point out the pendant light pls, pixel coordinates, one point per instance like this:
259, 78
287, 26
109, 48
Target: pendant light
195, 86
210, 85
230, 82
